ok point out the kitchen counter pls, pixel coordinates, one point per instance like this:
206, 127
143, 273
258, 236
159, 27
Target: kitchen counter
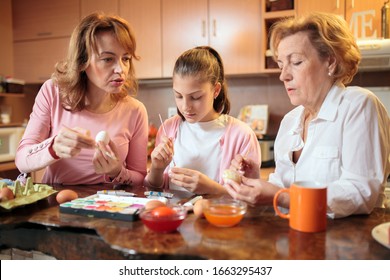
260, 235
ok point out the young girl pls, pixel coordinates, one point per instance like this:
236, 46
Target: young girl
204, 137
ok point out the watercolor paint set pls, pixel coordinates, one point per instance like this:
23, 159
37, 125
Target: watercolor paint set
108, 206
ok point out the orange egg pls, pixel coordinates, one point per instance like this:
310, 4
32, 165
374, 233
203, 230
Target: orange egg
153, 204
198, 208
66, 195
163, 211
6, 194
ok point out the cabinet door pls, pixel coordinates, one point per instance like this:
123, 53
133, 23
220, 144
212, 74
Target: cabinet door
184, 26
6, 47
44, 19
145, 18
107, 6
235, 32
329, 6
364, 18
35, 60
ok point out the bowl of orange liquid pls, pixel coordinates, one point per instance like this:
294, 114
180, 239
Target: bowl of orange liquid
224, 212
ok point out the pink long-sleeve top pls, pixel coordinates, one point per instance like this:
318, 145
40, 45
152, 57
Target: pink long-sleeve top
127, 125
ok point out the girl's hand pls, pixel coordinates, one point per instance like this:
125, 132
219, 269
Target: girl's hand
162, 154
69, 142
106, 159
194, 181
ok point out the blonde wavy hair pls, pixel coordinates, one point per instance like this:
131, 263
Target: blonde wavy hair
330, 36
70, 73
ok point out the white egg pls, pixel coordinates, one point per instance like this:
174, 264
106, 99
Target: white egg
103, 137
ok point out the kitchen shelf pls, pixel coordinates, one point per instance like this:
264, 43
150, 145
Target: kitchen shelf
4, 166
11, 124
269, 17
8, 94
279, 14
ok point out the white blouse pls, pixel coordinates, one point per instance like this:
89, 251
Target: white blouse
347, 148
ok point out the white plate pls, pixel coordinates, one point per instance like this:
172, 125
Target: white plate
381, 234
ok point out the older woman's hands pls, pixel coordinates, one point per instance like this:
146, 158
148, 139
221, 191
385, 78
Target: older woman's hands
69, 142
245, 166
253, 191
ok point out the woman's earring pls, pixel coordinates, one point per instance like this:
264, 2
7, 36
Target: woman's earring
330, 74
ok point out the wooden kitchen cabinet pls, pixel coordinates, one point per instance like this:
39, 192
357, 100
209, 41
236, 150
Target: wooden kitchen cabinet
107, 6
44, 19
184, 26
145, 18
363, 17
34, 61
269, 17
6, 52
231, 27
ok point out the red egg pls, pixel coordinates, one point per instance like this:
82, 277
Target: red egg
163, 211
6, 194
66, 195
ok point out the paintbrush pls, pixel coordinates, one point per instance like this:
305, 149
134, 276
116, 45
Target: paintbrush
166, 135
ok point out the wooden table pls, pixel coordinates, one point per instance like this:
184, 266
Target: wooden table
260, 235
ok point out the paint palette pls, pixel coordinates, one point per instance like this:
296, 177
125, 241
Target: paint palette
107, 206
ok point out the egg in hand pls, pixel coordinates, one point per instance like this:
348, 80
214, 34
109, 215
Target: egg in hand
102, 136
232, 175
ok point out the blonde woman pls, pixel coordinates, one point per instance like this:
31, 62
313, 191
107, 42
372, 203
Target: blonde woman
88, 93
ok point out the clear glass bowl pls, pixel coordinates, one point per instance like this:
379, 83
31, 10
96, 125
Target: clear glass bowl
224, 212
163, 219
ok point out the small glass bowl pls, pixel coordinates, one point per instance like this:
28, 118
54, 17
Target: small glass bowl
224, 212
159, 221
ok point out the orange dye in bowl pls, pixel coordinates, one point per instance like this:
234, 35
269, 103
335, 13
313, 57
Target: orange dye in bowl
224, 215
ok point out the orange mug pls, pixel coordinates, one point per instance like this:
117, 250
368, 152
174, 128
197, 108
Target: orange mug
308, 204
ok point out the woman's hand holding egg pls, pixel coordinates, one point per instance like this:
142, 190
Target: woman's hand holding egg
105, 160
104, 138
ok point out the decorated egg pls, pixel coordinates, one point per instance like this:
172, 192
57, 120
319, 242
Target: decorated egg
102, 136
66, 195
163, 211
